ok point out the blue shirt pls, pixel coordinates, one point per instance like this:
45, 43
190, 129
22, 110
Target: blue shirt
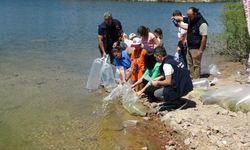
124, 61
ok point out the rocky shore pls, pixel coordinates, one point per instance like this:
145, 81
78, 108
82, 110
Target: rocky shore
208, 126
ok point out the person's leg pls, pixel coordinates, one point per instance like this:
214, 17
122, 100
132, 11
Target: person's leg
190, 63
197, 67
159, 94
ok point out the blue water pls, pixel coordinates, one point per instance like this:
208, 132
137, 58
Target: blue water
46, 49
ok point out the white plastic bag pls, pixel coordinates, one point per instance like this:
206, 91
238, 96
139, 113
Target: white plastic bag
201, 83
213, 70
94, 78
108, 78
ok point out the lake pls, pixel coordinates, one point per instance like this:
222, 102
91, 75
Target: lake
46, 50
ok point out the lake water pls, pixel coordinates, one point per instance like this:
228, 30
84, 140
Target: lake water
46, 49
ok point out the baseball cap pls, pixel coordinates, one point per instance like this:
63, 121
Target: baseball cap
131, 36
136, 41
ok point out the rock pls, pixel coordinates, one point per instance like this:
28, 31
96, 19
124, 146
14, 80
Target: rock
144, 148
219, 144
224, 112
232, 114
171, 143
178, 120
166, 117
130, 123
213, 139
187, 141
146, 118
216, 129
170, 147
195, 132
224, 142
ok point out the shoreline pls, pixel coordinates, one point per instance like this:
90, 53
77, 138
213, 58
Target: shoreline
208, 126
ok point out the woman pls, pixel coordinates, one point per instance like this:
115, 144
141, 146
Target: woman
149, 40
159, 36
150, 74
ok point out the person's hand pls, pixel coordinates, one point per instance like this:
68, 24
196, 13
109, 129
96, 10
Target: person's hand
140, 93
104, 55
177, 18
199, 54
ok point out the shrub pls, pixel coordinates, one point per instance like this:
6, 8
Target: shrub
234, 41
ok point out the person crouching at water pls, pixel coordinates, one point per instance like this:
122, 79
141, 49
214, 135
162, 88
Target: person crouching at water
150, 74
122, 62
137, 63
174, 82
149, 40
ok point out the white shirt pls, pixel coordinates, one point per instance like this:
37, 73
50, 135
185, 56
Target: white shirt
168, 69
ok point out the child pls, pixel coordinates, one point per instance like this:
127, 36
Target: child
159, 36
150, 74
137, 62
122, 62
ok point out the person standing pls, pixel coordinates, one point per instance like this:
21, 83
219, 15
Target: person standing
109, 32
196, 39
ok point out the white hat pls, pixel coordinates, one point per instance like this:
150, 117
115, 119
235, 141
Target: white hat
131, 36
136, 41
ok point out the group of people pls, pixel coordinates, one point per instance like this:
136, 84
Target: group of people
143, 61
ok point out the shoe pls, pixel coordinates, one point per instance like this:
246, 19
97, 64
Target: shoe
177, 105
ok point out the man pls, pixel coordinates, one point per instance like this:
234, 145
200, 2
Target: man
175, 81
196, 38
109, 32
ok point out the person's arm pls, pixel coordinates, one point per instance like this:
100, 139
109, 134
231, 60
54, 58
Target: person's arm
159, 78
101, 45
132, 57
122, 75
183, 25
203, 44
166, 82
156, 41
142, 90
137, 82
203, 32
177, 18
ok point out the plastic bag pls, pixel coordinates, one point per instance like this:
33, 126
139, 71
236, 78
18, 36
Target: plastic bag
108, 78
213, 70
201, 83
94, 78
114, 94
234, 98
128, 98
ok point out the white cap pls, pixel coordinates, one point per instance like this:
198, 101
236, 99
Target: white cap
131, 36
136, 41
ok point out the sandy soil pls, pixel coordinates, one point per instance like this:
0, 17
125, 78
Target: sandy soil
208, 126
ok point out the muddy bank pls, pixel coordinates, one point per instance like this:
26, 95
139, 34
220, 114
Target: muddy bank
209, 126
